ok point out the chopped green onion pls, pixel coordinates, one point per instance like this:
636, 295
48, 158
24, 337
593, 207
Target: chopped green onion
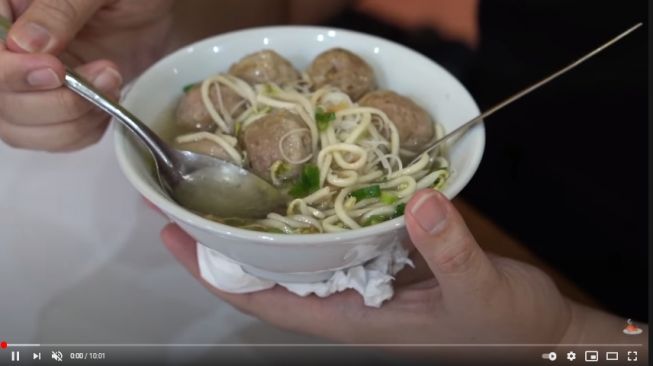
307, 183
323, 118
388, 198
367, 192
269, 89
441, 179
284, 168
376, 219
279, 172
399, 210
188, 87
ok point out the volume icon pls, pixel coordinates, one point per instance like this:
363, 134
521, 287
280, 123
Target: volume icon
57, 356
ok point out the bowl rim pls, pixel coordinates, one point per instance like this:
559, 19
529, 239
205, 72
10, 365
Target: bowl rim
169, 207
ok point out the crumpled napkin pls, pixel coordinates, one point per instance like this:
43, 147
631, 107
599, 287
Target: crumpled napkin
372, 280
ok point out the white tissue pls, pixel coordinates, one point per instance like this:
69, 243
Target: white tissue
372, 280
226, 275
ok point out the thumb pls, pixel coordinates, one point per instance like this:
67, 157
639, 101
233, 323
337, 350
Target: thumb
47, 26
451, 252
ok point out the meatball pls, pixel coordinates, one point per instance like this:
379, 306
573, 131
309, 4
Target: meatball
414, 125
205, 147
263, 67
192, 113
261, 141
344, 70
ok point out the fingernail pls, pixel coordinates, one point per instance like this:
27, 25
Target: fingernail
32, 37
429, 212
109, 80
43, 78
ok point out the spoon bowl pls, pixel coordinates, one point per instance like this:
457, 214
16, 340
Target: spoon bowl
216, 187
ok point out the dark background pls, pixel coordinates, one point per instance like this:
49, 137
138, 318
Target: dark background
565, 170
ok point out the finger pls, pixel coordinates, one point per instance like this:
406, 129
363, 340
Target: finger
5, 10
61, 104
451, 252
23, 72
334, 317
91, 138
419, 297
47, 26
57, 137
183, 247
19, 6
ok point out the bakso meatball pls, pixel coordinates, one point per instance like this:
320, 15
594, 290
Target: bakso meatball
262, 138
344, 70
414, 125
192, 113
265, 66
205, 147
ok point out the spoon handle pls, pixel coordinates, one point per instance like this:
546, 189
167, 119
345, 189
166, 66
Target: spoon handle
463, 128
76, 83
80, 86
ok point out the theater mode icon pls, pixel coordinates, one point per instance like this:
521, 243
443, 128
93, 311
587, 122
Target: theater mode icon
631, 328
612, 356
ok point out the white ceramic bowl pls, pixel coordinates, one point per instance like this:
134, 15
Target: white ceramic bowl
299, 258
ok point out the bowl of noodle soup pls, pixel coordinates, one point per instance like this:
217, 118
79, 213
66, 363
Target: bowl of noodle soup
331, 146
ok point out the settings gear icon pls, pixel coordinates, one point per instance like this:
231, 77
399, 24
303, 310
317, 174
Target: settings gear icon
571, 355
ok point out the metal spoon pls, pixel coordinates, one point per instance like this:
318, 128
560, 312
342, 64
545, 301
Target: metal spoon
474, 121
201, 183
